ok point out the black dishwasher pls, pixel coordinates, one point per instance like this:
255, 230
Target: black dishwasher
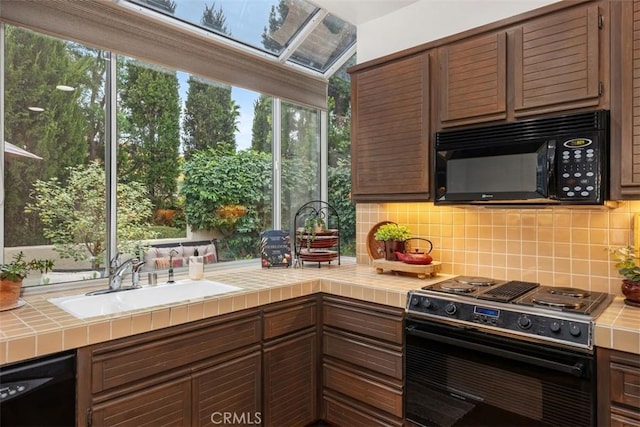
39, 392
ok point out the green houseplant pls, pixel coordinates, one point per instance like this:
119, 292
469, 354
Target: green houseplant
626, 261
313, 225
12, 274
394, 236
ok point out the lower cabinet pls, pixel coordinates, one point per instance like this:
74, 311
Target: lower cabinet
291, 363
362, 363
202, 373
618, 388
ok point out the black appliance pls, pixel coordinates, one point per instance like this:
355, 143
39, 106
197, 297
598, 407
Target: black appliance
550, 160
488, 352
39, 392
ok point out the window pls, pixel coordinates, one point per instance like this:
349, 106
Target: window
195, 158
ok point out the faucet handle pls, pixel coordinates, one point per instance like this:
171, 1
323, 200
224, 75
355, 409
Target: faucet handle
114, 263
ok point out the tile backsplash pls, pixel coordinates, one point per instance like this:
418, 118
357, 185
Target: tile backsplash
554, 246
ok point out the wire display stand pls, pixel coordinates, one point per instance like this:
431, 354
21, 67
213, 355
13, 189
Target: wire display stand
317, 231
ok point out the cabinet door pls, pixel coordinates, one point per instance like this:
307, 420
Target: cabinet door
557, 61
390, 131
625, 140
229, 392
164, 404
290, 381
473, 80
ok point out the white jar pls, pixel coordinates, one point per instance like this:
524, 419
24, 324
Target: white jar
196, 267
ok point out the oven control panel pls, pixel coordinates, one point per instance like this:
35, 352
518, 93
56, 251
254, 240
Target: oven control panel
505, 318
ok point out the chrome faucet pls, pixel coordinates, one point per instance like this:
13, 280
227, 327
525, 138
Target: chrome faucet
117, 270
115, 279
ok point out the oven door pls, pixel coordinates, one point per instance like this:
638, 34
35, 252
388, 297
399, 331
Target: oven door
463, 377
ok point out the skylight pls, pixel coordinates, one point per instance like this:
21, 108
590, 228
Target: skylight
293, 32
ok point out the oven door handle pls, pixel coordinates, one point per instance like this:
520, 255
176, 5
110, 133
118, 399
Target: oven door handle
576, 370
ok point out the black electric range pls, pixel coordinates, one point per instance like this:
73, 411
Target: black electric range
558, 315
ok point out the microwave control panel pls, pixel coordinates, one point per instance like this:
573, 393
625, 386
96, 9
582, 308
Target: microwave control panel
578, 170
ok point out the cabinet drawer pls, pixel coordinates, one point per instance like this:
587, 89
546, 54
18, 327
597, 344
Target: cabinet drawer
364, 389
365, 353
384, 323
113, 367
625, 384
290, 319
342, 414
169, 403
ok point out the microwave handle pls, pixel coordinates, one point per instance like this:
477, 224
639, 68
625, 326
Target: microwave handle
551, 166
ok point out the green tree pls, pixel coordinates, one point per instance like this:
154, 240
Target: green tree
261, 130
210, 119
215, 19
150, 137
69, 130
74, 213
166, 5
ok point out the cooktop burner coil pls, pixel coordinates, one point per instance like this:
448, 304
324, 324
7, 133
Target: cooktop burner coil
475, 281
570, 292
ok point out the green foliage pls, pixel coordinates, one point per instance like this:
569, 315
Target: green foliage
70, 128
340, 199
74, 213
215, 19
150, 136
214, 180
392, 231
626, 262
261, 130
18, 269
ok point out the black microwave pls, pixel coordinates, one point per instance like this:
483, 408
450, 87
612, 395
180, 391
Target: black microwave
550, 160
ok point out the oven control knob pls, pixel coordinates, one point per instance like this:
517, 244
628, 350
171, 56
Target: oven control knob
574, 330
524, 322
451, 309
415, 301
554, 326
425, 302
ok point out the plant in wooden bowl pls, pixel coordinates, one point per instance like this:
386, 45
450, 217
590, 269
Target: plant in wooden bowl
11, 276
626, 261
394, 236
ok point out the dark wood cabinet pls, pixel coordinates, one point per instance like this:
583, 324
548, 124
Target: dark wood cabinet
184, 375
625, 105
390, 131
291, 363
556, 62
473, 80
618, 388
362, 363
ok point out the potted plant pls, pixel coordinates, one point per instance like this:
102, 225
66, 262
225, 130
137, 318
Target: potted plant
626, 261
313, 225
394, 236
11, 276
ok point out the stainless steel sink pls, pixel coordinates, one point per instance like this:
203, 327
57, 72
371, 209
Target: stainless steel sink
84, 306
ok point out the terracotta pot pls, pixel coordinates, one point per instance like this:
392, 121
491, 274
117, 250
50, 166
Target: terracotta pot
631, 291
391, 247
9, 293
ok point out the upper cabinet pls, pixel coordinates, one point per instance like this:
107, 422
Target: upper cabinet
557, 61
390, 131
473, 80
625, 105
551, 63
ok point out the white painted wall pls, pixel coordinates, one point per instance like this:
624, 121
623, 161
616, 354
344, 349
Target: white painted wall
429, 20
